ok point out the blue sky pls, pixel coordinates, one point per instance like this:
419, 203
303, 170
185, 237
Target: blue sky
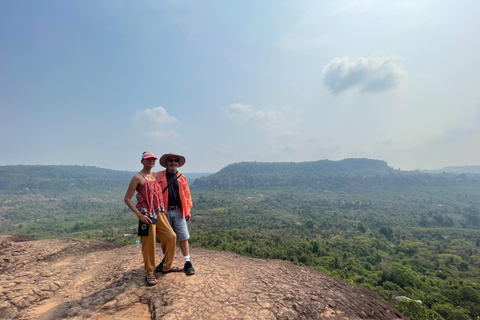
99, 82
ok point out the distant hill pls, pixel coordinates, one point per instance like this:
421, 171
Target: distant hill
319, 175
321, 166
462, 169
316, 174
62, 178
191, 177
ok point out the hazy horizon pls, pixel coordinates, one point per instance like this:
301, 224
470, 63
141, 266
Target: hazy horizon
96, 83
456, 169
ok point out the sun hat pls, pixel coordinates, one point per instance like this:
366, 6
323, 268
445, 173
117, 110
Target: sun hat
164, 159
148, 155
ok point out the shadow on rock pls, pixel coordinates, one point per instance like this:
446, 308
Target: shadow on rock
127, 290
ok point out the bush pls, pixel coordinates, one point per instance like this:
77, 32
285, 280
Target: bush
417, 311
449, 312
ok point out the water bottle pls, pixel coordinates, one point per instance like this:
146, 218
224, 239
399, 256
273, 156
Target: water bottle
137, 243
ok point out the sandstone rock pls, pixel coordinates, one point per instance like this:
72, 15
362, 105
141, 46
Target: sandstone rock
399, 298
87, 279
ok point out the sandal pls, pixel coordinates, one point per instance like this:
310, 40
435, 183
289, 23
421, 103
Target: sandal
151, 281
159, 268
173, 269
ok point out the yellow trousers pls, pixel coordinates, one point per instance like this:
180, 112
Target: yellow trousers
168, 239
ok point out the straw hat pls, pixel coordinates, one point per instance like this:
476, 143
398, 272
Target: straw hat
164, 159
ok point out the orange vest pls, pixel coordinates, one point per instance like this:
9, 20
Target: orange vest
183, 191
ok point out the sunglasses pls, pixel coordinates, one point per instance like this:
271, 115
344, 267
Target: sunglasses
172, 160
150, 159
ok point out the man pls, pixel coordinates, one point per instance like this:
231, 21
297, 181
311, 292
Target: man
177, 198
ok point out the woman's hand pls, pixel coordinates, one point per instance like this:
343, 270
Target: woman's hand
144, 219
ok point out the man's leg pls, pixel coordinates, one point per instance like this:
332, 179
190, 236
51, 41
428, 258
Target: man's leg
179, 225
184, 247
188, 267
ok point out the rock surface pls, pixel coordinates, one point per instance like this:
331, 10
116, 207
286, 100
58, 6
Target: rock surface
88, 279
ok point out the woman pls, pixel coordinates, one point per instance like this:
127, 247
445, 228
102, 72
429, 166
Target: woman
150, 210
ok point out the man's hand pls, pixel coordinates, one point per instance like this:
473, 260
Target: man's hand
187, 217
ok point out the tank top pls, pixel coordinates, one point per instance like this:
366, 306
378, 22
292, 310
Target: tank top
152, 204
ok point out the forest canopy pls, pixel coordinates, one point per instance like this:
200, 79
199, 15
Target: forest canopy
400, 233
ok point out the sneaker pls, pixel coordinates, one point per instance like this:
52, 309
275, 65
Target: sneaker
159, 268
188, 268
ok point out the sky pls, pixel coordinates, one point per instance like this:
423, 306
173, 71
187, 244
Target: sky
97, 83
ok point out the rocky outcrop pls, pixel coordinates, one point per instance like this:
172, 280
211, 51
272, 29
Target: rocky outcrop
87, 279
400, 298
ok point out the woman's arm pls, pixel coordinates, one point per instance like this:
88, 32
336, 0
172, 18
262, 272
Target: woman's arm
128, 199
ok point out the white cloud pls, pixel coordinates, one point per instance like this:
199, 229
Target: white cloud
373, 74
160, 135
271, 121
276, 130
155, 116
150, 119
245, 111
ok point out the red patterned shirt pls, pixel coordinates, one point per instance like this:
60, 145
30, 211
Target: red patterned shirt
152, 202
